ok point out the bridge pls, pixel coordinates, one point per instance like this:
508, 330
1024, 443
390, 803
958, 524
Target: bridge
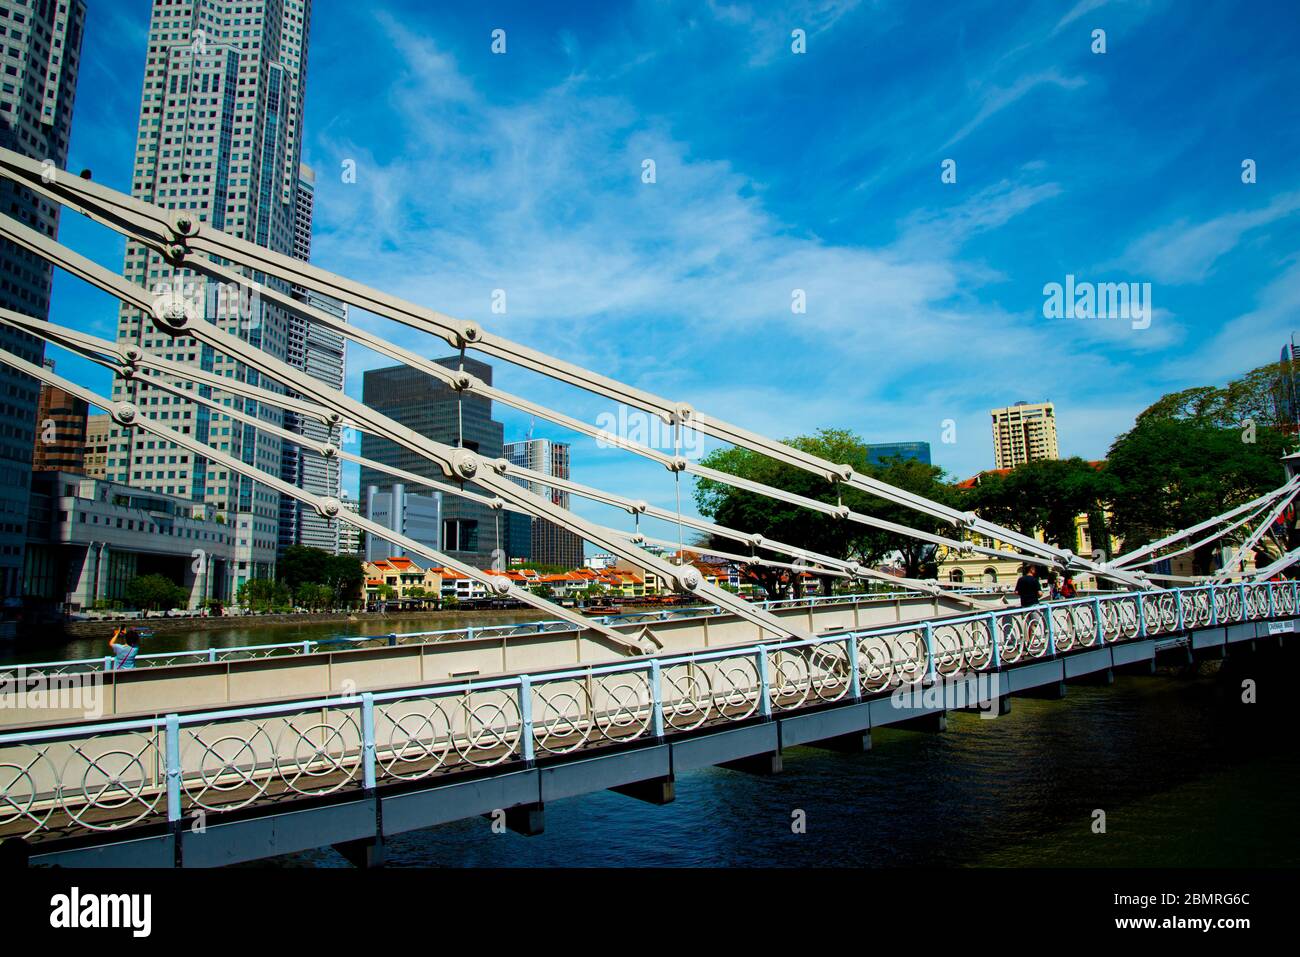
282, 750
200, 787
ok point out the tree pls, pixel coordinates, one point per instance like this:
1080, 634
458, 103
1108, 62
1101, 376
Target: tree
752, 512
1171, 472
152, 592
263, 594
1260, 397
1046, 494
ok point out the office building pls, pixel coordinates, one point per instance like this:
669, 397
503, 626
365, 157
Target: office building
350, 537
551, 544
60, 444
219, 137
881, 453
415, 516
88, 538
95, 454
1024, 432
40, 54
319, 352
471, 532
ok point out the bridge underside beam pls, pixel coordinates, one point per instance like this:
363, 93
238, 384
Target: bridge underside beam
762, 765
658, 791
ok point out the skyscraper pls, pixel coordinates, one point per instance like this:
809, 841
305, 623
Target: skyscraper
219, 136
471, 532
1024, 432
319, 352
883, 452
551, 544
40, 53
60, 430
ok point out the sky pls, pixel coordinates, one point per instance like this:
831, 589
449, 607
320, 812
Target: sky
917, 177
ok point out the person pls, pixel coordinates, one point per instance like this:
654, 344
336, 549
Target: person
1067, 588
1027, 587
125, 645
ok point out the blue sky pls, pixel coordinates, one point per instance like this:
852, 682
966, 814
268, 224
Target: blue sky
778, 171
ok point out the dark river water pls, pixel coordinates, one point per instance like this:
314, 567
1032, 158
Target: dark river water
1185, 774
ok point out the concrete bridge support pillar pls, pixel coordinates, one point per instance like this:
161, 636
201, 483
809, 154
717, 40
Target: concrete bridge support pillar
928, 723
657, 791
366, 853
1104, 678
856, 742
760, 764
1052, 691
526, 819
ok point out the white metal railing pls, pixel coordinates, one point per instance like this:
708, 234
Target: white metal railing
467, 632
109, 775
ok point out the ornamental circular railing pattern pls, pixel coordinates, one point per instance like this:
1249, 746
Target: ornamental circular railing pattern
113, 779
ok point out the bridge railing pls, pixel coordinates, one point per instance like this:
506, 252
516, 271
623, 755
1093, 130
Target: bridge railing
111, 775
463, 633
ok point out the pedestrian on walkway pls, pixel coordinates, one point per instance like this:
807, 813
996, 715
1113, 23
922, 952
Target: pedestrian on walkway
1027, 586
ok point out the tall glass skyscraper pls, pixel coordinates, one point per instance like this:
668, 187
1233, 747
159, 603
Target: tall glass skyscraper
219, 136
471, 532
319, 352
40, 53
551, 544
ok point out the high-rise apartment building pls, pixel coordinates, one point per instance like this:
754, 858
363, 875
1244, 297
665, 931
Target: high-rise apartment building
471, 532
95, 457
1024, 432
350, 537
40, 53
551, 544
319, 352
60, 444
220, 138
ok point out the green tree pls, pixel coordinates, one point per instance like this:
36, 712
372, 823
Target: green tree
152, 592
752, 512
1047, 494
1170, 473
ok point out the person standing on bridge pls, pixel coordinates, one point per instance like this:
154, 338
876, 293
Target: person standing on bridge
125, 645
1027, 587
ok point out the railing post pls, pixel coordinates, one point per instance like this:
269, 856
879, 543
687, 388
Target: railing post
1142, 616
993, 637
306, 647
173, 767
1050, 628
392, 640
1242, 587
656, 698
1178, 603
108, 662
855, 668
1096, 615
1214, 606
212, 655
526, 743
764, 684
368, 740
929, 650
1272, 611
